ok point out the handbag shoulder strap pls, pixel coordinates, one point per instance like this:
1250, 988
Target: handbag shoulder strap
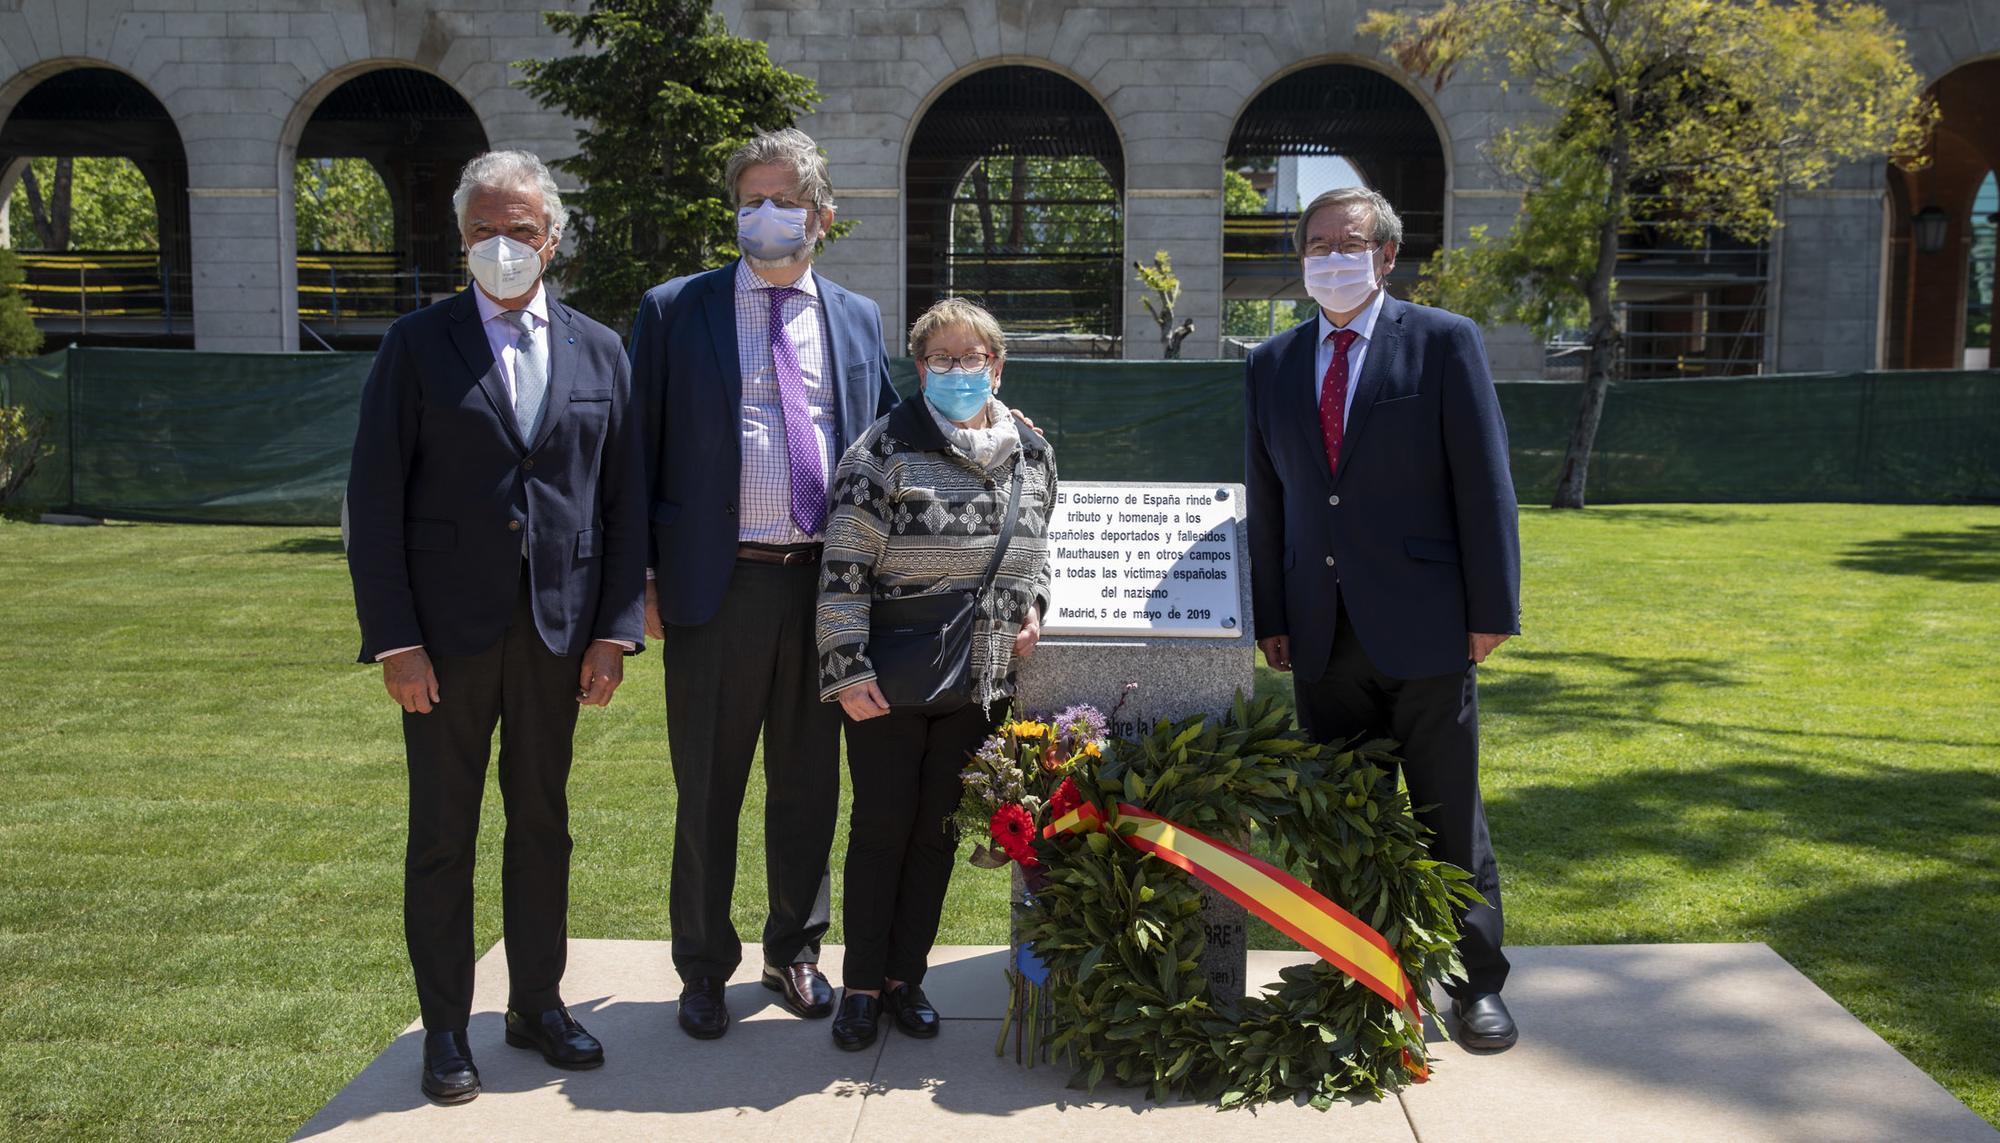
1007, 528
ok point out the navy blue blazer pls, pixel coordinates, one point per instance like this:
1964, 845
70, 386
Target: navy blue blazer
1417, 531
689, 380
443, 489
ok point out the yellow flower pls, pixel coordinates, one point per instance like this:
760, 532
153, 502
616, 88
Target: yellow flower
1029, 729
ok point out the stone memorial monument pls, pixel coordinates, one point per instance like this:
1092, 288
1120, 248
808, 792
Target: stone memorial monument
1150, 617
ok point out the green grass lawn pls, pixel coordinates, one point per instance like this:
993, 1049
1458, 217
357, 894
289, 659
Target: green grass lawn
1755, 723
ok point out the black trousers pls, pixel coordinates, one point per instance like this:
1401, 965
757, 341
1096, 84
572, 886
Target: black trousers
1437, 721
901, 839
530, 693
753, 667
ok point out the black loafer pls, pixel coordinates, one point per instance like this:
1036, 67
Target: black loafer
1484, 1023
449, 1076
859, 1020
703, 1014
804, 988
557, 1036
912, 1010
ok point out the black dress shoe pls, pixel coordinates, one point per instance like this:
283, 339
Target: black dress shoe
804, 988
860, 1017
703, 1014
557, 1036
1484, 1023
912, 1010
449, 1076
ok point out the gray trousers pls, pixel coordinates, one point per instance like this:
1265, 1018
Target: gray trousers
752, 668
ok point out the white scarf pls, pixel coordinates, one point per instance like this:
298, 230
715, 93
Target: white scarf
991, 448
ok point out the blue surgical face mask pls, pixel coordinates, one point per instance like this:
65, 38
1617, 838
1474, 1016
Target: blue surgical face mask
769, 231
959, 396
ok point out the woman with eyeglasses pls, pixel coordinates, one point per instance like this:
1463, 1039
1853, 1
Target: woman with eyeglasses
919, 505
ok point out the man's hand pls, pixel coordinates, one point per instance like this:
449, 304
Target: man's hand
410, 680
653, 628
1030, 634
1277, 651
863, 701
1478, 646
1023, 418
603, 669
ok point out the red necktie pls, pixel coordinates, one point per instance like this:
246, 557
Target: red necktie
1333, 396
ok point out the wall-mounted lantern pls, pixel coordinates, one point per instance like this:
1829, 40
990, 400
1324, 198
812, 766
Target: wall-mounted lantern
1929, 225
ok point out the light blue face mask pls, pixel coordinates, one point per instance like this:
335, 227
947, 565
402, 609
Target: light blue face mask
770, 231
959, 396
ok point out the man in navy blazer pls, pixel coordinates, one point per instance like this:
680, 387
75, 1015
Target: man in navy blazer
755, 378
1384, 546
497, 542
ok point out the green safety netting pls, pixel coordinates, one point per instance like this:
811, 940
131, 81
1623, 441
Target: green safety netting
264, 438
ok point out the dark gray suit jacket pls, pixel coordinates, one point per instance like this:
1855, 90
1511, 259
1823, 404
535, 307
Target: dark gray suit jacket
443, 488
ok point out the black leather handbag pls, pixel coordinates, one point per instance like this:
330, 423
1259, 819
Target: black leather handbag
921, 645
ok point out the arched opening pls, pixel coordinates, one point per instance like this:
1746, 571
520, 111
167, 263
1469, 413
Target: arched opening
1321, 127
1940, 232
1014, 196
371, 191
94, 179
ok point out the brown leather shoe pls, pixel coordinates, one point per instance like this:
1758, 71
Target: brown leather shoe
804, 988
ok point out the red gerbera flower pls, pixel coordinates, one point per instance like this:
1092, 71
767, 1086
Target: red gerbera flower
1012, 827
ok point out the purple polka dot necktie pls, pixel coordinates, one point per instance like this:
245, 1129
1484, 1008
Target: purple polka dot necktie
808, 464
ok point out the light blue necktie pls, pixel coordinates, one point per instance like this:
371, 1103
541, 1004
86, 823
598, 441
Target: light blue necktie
531, 372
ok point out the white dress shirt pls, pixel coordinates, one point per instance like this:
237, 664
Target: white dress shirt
501, 337
1357, 352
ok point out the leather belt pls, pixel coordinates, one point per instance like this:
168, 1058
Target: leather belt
774, 554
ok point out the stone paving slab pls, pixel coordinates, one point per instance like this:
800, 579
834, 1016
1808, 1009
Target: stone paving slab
1627, 1042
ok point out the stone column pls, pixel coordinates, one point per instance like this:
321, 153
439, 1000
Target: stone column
1826, 286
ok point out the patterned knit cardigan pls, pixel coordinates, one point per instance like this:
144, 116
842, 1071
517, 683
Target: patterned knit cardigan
911, 515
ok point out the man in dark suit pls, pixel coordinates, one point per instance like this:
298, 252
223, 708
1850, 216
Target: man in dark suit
1385, 556
755, 378
497, 544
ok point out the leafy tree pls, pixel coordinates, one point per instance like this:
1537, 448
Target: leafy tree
18, 335
65, 203
665, 93
1166, 286
1691, 116
1248, 317
342, 204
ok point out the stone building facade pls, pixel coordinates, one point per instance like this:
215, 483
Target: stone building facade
241, 80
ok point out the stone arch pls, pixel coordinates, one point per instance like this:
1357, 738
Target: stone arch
1058, 272
416, 129
1929, 232
79, 106
1373, 119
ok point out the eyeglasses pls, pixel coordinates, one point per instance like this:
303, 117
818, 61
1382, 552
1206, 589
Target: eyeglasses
782, 203
968, 362
519, 232
1346, 249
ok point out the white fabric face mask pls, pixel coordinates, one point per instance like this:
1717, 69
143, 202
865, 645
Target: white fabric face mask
770, 232
1341, 283
505, 268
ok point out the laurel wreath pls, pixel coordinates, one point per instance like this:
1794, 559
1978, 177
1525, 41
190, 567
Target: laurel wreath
1121, 937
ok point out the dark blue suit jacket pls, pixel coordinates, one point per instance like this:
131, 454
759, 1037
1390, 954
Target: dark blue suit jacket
689, 380
1417, 531
443, 488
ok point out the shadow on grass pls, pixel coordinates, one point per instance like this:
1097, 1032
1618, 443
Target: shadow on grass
1904, 944
1634, 514
1970, 556
305, 546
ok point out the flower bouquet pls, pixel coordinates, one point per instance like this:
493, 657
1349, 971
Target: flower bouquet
1015, 785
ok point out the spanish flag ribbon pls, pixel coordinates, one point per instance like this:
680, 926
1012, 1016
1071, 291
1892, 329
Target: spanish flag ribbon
1336, 935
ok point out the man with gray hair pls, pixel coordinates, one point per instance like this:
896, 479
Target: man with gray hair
497, 536
755, 378
1384, 554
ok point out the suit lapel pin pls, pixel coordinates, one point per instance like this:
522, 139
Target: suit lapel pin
572, 341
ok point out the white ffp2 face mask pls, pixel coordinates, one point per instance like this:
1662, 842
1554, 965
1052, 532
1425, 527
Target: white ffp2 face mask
1341, 283
505, 268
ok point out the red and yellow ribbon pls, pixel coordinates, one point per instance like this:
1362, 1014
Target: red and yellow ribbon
1336, 935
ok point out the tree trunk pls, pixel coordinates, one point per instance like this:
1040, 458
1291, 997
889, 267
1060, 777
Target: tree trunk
1604, 345
1017, 223
982, 190
50, 215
